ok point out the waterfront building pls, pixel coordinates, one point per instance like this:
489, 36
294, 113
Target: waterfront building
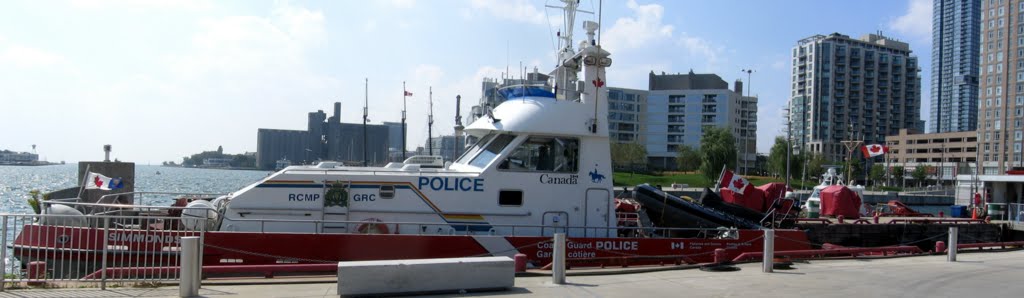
1001, 90
626, 108
955, 46
948, 154
845, 88
217, 162
324, 139
443, 146
680, 107
10, 157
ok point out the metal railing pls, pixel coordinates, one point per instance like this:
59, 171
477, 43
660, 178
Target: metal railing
46, 250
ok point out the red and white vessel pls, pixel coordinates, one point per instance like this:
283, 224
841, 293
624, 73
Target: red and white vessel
541, 165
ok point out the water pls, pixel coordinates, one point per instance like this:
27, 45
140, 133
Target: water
16, 183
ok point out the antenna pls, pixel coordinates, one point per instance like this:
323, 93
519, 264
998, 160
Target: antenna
430, 124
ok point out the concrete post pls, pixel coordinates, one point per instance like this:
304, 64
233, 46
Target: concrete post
769, 250
103, 259
188, 287
558, 260
951, 257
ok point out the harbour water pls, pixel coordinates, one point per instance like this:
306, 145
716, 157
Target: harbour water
17, 181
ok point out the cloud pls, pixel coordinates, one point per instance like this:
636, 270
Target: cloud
405, 4
516, 10
27, 57
193, 5
917, 22
640, 30
700, 49
428, 74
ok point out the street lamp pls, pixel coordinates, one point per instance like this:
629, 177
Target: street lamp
745, 150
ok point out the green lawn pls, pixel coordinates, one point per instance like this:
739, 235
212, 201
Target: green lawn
691, 179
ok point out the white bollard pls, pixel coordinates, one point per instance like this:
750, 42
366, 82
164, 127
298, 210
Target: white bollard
952, 245
188, 286
558, 260
769, 250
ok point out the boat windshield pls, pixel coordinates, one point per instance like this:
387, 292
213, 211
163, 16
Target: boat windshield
473, 150
490, 152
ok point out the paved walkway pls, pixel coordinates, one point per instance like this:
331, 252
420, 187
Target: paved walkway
975, 275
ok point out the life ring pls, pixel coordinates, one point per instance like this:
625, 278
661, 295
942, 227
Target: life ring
372, 226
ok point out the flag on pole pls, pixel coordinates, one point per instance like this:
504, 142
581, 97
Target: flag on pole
98, 181
873, 150
734, 182
407, 93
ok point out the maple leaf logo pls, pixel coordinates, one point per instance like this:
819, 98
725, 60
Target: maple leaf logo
598, 83
97, 181
875, 149
738, 184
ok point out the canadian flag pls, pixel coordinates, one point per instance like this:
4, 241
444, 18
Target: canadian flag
735, 183
874, 150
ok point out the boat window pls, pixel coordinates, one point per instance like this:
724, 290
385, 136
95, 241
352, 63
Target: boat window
387, 191
490, 152
472, 151
544, 154
510, 198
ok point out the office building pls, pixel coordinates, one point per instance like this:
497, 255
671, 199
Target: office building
948, 153
852, 89
325, 139
955, 46
680, 107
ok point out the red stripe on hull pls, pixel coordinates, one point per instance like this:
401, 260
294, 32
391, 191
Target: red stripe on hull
239, 248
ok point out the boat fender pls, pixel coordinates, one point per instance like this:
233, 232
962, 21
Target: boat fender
372, 226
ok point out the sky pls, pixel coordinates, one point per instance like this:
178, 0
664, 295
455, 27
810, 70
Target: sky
163, 79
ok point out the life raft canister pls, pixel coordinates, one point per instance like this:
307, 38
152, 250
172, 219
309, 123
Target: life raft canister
372, 226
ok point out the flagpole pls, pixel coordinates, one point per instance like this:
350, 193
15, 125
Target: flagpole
82, 189
720, 175
404, 92
430, 124
366, 104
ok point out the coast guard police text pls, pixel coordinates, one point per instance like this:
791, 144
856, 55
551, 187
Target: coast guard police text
452, 183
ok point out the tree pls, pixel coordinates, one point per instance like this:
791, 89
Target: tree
717, 149
919, 174
220, 150
815, 165
897, 173
877, 173
628, 155
777, 157
687, 158
854, 167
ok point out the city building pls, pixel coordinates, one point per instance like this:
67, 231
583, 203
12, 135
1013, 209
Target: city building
680, 107
1001, 90
625, 109
852, 89
10, 157
324, 139
948, 153
955, 46
443, 146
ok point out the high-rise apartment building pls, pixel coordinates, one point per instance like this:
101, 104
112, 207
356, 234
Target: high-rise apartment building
955, 46
846, 88
681, 106
626, 107
1001, 90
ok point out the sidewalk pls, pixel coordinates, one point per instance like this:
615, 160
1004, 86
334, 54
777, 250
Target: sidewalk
988, 274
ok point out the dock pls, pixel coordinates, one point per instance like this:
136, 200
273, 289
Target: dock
921, 276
